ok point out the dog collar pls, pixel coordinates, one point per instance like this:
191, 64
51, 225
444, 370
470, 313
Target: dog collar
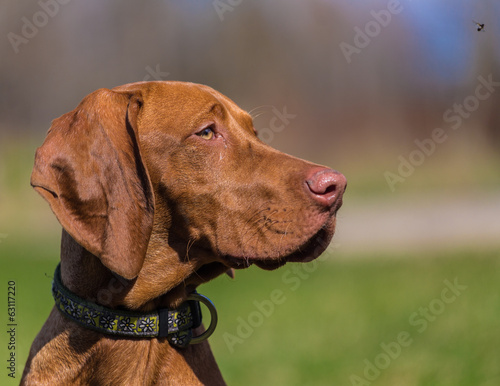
174, 324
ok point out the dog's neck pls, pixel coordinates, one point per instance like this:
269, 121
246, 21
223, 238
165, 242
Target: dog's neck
84, 274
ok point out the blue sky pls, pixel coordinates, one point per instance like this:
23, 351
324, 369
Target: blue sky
447, 35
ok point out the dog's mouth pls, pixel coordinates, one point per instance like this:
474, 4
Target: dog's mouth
308, 251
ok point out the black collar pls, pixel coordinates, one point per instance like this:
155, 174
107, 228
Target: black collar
176, 325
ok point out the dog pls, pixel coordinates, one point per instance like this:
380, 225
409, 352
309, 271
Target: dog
160, 187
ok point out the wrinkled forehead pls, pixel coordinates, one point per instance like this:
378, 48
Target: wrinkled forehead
189, 104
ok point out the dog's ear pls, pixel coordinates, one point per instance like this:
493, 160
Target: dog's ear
91, 172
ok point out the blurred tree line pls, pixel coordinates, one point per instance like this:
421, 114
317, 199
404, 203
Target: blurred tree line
284, 54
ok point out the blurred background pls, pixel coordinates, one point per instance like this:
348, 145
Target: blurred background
401, 96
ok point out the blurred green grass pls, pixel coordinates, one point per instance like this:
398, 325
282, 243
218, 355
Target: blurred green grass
334, 315
343, 310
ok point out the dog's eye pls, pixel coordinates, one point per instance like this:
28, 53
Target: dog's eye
207, 133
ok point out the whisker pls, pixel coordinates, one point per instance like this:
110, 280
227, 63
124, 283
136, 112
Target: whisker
252, 112
252, 221
188, 247
284, 235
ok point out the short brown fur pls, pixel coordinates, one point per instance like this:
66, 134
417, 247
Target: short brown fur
150, 209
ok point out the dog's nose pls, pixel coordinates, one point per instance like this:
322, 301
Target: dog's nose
326, 186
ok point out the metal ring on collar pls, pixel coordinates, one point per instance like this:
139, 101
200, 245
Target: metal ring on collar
213, 317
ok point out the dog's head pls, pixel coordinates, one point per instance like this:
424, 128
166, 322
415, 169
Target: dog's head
171, 177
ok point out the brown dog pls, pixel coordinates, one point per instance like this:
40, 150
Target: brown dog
159, 187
